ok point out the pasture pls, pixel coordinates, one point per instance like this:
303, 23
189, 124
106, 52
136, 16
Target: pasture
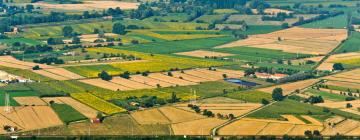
179, 46
66, 113
252, 96
259, 54
350, 44
338, 22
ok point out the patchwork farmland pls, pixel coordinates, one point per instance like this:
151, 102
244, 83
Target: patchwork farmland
170, 69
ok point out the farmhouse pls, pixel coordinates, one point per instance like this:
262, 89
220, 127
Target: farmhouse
9, 78
270, 76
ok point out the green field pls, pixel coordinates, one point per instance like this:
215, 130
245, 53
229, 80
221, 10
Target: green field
20, 40
179, 46
332, 22
253, 96
345, 89
168, 32
259, 54
178, 17
311, 2
225, 11
88, 28
351, 44
260, 29
209, 18
285, 66
206, 89
327, 96
296, 108
66, 113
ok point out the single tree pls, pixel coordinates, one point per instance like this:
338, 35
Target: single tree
277, 94
67, 31
338, 66
264, 101
36, 67
105, 76
118, 28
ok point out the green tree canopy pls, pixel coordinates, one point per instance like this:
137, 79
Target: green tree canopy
67, 31
277, 94
118, 28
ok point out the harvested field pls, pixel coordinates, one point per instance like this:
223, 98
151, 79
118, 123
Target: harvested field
203, 54
299, 130
169, 79
226, 109
243, 127
12, 60
343, 84
130, 84
65, 73
341, 128
11, 65
88, 5
325, 66
196, 127
278, 129
150, 116
37, 117
295, 40
237, 109
247, 126
340, 105
236, 72
25, 101
292, 119
290, 87
150, 81
47, 71
348, 76
247, 42
187, 77
312, 120
178, 115
5, 121
335, 119
47, 116
202, 75
223, 108
50, 75
83, 109
354, 132
328, 63
105, 84
220, 73
93, 37
54, 99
